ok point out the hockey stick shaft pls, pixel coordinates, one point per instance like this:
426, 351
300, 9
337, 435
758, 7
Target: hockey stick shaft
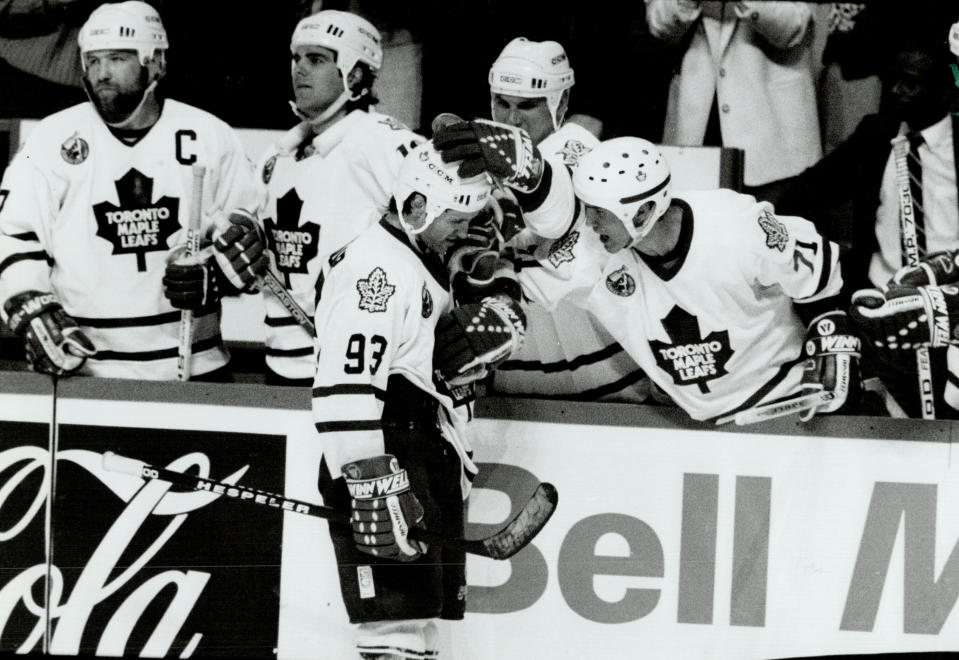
185, 345
779, 409
272, 282
910, 251
501, 545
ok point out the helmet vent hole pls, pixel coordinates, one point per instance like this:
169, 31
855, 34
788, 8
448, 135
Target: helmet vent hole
625, 155
622, 172
605, 164
603, 180
645, 153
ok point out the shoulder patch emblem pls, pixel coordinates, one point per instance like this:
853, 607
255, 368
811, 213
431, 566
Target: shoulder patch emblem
572, 151
427, 302
776, 234
74, 150
375, 291
393, 123
268, 168
561, 250
621, 283
337, 256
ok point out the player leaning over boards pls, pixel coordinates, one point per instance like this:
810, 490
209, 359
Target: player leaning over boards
95, 204
704, 290
394, 436
323, 182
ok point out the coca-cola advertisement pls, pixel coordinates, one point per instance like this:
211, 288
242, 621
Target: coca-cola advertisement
136, 566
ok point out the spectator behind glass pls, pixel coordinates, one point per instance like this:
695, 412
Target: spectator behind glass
39, 60
746, 80
917, 92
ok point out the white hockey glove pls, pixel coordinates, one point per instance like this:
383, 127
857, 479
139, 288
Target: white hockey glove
472, 340
504, 152
54, 343
832, 367
383, 508
240, 251
191, 281
903, 318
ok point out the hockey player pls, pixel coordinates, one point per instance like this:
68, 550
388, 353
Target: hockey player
568, 354
698, 288
324, 181
94, 204
394, 440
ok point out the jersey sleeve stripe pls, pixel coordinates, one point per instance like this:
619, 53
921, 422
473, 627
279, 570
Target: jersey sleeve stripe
826, 273
289, 352
26, 236
349, 388
562, 365
349, 425
161, 354
279, 321
532, 201
140, 321
24, 256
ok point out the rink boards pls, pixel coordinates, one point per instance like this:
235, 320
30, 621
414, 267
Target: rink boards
671, 539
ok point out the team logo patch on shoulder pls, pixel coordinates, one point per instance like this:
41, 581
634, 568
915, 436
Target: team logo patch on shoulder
74, 150
572, 151
427, 302
268, 168
375, 291
561, 250
621, 283
776, 234
337, 256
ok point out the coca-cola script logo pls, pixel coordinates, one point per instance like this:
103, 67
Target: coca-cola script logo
130, 572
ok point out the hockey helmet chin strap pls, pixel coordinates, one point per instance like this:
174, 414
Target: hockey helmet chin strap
341, 100
133, 117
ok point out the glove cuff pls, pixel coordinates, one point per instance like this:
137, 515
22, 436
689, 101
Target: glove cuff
376, 477
832, 333
19, 309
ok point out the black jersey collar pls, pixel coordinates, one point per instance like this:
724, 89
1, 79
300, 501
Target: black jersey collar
667, 265
431, 263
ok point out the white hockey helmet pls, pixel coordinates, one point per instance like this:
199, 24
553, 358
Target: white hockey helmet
131, 25
352, 38
423, 171
533, 69
621, 175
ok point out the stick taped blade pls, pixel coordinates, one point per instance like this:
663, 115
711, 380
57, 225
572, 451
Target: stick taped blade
525, 526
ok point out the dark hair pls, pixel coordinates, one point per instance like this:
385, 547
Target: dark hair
367, 77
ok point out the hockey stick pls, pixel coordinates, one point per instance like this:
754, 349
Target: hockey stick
778, 409
910, 249
505, 543
185, 347
272, 282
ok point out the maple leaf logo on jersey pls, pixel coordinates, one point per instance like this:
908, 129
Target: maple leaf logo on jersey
776, 234
572, 151
375, 291
621, 283
138, 225
561, 250
690, 358
294, 245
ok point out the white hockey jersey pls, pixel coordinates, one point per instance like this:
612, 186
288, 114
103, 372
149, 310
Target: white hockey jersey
379, 304
717, 330
92, 219
566, 353
314, 202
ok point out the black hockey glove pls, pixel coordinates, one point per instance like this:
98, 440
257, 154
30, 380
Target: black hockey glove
504, 152
54, 343
191, 282
471, 340
936, 268
832, 366
475, 257
903, 318
383, 508
240, 251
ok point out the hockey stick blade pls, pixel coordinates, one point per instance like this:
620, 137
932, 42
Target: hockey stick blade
501, 545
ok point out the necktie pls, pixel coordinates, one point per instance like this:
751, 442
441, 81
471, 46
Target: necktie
915, 184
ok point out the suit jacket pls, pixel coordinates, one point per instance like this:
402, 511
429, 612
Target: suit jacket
840, 194
760, 64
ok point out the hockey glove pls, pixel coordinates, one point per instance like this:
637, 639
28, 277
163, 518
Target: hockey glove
504, 152
54, 343
937, 268
906, 317
383, 508
191, 282
832, 364
471, 340
475, 257
509, 215
240, 251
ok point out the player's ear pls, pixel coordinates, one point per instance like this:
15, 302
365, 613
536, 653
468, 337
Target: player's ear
416, 215
643, 213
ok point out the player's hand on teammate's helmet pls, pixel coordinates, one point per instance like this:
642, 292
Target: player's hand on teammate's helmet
903, 318
475, 257
832, 352
54, 343
936, 268
471, 340
240, 251
383, 508
190, 282
504, 152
